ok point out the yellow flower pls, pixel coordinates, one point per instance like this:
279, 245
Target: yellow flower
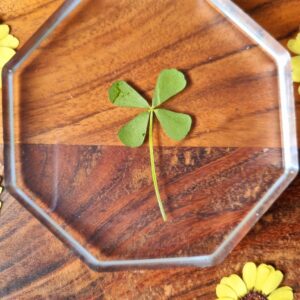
7, 45
257, 283
296, 68
294, 47
294, 44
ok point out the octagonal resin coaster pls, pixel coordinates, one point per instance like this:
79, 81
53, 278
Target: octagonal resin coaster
65, 163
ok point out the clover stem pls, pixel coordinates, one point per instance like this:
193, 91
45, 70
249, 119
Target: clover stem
153, 172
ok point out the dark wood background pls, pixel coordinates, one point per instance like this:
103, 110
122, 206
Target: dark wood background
35, 265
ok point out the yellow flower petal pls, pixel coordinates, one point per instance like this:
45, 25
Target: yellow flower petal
10, 41
296, 76
236, 283
286, 288
272, 282
4, 31
298, 36
3, 61
284, 293
263, 273
296, 68
294, 45
249, 275
225, 298
271, 268
224, 291
6, 53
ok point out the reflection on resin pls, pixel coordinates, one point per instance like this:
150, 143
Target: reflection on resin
104, 194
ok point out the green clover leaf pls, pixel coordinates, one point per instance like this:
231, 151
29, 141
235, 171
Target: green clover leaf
176, 125
122, 94
133, 133
169, 83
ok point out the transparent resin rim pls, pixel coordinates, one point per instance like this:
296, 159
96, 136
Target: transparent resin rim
288, 139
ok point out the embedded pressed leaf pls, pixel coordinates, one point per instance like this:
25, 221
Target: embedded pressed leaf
122, 94
175, 125
169, 83
133, 133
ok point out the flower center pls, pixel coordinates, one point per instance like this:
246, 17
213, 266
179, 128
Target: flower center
254, 296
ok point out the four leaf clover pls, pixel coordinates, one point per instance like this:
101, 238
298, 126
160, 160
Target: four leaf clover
170, 82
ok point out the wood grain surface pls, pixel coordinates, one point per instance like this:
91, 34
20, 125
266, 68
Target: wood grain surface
101, 192
231, 93
104, 196
35, 265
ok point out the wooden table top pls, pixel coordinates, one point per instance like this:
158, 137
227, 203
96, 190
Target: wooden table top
35, 265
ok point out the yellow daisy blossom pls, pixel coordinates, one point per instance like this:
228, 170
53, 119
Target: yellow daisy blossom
7, 45
294, 46
256, 283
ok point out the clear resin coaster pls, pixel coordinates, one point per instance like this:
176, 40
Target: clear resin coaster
63, 159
